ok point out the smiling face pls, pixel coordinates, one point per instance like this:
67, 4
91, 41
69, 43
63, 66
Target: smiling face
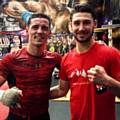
82, 26
38, 31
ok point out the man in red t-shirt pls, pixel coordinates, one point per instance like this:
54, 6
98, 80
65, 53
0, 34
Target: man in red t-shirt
28, 72
91, 71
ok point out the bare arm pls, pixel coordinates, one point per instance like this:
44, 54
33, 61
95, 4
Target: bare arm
114, 86
11, 96
60, 90
98, 75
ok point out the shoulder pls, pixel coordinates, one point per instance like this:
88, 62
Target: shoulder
105, 48
109, 52
14, 54
101, 46
18, 52
53, 54
69, 55
54, 57
114, 53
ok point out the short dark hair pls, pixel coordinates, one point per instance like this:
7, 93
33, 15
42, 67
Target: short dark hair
40, 15
84, 7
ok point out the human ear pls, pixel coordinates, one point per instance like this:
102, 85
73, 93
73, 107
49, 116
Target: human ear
95, 23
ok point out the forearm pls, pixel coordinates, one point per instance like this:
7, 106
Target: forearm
99, 76
114, 86
26, 15
56, 92
60, 90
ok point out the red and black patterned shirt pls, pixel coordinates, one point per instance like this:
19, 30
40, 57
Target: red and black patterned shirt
33, 76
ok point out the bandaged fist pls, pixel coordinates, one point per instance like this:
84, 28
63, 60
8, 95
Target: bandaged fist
11, 97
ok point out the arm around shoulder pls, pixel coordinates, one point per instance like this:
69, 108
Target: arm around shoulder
60, 90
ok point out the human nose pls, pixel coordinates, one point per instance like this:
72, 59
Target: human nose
39, 30
81, 26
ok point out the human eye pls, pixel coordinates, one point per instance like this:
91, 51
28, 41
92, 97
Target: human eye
87, 22
35, 27
45, 28
76, 23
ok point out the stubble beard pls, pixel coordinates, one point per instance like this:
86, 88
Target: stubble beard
86, 40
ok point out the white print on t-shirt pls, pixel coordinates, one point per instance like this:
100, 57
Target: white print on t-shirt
78, 73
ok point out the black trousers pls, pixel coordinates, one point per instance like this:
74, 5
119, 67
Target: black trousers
12, 116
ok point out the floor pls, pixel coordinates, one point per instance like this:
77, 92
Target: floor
60, 111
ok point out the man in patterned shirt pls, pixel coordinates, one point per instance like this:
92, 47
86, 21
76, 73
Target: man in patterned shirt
28, 72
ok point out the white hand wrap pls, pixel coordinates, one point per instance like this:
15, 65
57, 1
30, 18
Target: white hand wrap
1, 94
10, 96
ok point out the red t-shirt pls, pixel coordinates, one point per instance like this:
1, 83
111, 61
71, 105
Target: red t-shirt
85, 102
33, 76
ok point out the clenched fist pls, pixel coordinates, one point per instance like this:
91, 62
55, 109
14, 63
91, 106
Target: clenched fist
10, 97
